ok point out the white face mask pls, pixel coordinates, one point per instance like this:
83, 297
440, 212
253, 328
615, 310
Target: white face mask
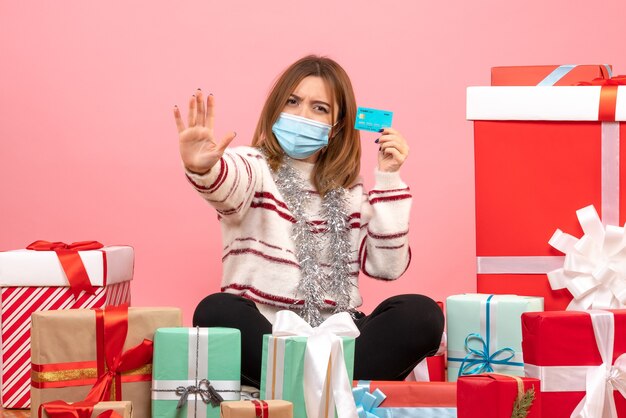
300, 137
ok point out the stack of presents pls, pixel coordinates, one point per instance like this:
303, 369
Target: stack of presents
544, 337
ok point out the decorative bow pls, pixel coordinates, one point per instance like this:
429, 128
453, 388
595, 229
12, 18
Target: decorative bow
71, 262
207, 393
111, 330
618, 80
603, 379
366, 401
594, 270
323, 361
62, 409
608, 95
479, 360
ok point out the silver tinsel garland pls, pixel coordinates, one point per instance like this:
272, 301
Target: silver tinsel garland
314, 283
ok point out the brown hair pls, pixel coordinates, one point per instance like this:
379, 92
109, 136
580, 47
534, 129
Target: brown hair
339, 163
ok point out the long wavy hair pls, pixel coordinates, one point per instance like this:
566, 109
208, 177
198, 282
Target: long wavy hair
339, 163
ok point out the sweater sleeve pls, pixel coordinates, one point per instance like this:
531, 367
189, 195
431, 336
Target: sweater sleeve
384, 251
231, 183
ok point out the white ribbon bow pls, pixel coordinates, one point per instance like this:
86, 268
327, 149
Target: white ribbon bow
324, 350
594, 270
603, 379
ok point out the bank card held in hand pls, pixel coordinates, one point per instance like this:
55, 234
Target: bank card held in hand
368, 119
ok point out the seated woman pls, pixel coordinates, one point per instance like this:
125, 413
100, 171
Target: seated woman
298, 226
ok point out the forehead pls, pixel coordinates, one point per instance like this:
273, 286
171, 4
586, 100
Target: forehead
314, 88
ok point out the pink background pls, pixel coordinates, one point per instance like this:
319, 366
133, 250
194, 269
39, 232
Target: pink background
88, 146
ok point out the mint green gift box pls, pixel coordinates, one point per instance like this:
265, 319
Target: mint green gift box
485, 333
188, 361
282, 369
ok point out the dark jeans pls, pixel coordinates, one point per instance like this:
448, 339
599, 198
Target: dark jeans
397, 335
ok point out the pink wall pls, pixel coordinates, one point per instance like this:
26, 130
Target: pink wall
88, 147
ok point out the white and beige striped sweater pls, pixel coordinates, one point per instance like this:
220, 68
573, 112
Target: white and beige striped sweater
258, 256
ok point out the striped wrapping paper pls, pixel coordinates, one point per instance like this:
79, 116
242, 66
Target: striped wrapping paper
17, 303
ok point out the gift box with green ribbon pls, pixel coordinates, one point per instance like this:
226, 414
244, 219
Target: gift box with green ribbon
194, 370
485, 333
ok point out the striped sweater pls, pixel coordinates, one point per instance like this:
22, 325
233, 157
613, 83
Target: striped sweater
259, 261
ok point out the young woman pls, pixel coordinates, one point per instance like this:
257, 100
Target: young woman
297, 225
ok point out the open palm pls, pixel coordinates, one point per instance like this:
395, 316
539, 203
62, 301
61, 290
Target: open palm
198, 148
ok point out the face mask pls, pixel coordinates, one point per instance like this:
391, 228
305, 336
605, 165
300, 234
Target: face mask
300, 137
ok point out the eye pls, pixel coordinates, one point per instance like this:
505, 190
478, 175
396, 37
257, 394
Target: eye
321, 109
292, 102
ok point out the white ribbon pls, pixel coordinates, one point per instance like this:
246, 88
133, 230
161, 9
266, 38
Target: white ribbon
599, 382
594, 270
324, 366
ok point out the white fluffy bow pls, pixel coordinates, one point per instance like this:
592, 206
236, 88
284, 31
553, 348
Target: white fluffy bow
595, 265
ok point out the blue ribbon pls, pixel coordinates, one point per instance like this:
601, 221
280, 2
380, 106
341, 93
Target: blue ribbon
366, 402
479, 360
561, 71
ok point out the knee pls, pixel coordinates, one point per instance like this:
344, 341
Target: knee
421, 314
212, 308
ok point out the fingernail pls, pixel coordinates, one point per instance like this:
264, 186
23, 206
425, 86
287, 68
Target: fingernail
381, 130
199, 89
210, 94
380, 148
235, 133
193, 95
377, 139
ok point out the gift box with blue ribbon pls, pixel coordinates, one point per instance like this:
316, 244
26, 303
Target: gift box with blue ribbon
384, 399
485, 333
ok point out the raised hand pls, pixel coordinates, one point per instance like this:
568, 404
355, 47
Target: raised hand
393, 150
198, 148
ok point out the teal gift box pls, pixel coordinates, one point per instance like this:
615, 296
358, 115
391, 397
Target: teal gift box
191, 367
282, 369
485, 333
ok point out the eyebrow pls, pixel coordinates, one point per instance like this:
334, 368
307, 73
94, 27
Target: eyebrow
314, 101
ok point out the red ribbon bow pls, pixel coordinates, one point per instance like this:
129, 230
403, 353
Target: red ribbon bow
71, 262
111, 330
62, 409
608, 95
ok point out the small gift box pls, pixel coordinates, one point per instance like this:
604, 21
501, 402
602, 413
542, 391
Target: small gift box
310, 367
494, 395
405, 399
61, 409
485, 333
547, 75
580, 358
257, 409
53, 276
194, 370
96, 355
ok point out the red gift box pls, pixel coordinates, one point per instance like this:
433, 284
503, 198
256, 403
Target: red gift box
36, 281
553, 75
413, 394
493, 395
540, 154
562, 347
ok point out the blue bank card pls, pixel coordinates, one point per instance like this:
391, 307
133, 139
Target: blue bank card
368, 119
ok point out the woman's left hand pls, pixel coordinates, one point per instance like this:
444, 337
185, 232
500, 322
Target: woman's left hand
393, 150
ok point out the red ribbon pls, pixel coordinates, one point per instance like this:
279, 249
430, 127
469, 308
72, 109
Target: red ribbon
61, 409
111, 330
71, 262
261, 409
608, 95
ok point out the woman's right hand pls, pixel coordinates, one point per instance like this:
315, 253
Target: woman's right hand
198, 148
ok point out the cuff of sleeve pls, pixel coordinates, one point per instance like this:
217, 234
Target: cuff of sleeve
388, 180
206, 180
